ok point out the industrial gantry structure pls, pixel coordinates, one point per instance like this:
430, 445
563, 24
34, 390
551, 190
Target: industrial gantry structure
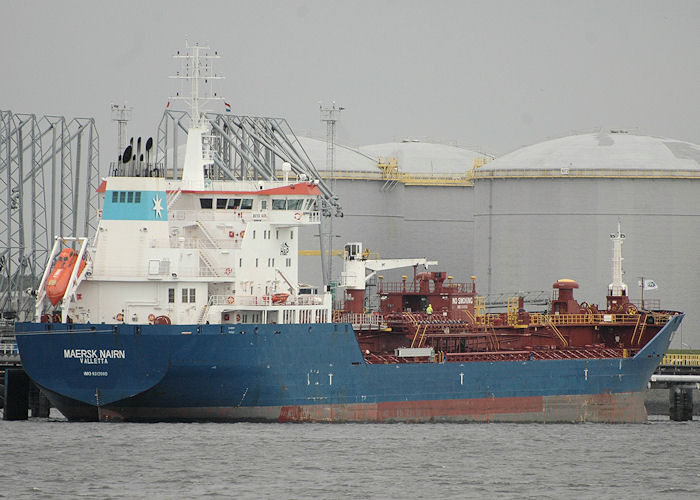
246, 148
49, 173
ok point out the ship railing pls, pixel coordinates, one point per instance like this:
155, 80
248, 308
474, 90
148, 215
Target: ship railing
137, 169
8, 349
164, 270
427, 179
681, 359
596, 318
568, 172
196, 243
408, 287
229, 215
541, 354
220, 214
519, 355
236, 300
649, 304
539, 319
365, 320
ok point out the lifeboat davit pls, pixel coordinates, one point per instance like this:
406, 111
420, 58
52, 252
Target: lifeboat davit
60, 274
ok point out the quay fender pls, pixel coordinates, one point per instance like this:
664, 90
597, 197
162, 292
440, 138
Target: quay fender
91, 367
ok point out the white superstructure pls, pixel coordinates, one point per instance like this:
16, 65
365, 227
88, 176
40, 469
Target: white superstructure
194, 250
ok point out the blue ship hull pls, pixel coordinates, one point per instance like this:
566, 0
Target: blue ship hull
312, 372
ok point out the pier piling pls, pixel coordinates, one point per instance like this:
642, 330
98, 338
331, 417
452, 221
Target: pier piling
681, 403
16, 394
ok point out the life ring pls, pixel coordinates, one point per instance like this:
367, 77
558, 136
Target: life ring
297, 216
120, 317
231, 234
238, 317
228, 270
162, 320
230, 300
151, 317
242, 234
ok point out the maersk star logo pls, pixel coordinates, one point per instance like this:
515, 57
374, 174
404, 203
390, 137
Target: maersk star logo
157, 207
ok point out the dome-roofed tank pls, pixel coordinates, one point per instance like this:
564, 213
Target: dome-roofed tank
425, 157
548, 209
618, 151
402, 199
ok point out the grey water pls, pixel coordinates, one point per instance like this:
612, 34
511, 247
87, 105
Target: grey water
52, 458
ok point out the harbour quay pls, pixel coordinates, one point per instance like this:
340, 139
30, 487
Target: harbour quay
674, 386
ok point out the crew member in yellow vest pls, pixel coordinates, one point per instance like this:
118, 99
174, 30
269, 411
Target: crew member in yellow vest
429, 310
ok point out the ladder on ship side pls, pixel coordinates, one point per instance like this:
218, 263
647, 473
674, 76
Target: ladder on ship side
643, 321
419, 331
203, 252
172, 197
414, 323
556, 331
203, 313
489, 331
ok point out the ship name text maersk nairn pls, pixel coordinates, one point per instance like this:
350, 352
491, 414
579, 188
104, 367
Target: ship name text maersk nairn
186, 305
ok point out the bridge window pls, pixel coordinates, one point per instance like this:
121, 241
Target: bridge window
263, 204
205, 202
171, 295
233, 203
126, 197
279, 204
221, 202
246, 203
294, 204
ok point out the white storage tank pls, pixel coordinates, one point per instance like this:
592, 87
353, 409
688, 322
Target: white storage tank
545, 212
401, 199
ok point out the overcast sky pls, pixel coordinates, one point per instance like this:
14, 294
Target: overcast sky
494, 74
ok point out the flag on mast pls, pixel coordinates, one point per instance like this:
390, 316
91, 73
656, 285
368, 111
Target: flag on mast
648, 284
228, 107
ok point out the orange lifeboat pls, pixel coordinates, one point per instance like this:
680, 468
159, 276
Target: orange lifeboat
60, 274
279, 298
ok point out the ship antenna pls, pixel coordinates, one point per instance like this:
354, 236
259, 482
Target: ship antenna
197, 67
617, 287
